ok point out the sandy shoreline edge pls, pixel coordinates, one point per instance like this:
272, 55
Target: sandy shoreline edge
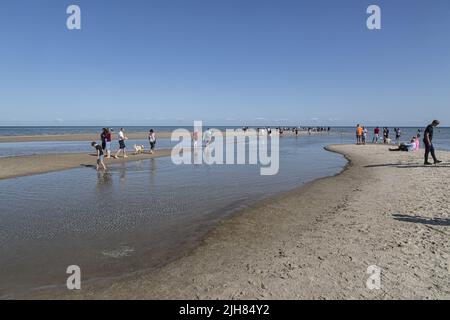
316, 242
21, 166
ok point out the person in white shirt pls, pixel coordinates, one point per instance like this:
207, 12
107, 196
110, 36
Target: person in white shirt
122, 145
408, 147
152, 140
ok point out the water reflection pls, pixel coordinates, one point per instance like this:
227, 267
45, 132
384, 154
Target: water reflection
104, 181
122, 174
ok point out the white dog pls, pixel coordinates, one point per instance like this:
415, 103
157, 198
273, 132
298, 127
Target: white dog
138, 149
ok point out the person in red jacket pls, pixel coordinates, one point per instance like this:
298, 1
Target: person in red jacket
376, 135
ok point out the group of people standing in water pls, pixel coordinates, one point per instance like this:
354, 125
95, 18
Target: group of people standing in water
412, 145
105, 147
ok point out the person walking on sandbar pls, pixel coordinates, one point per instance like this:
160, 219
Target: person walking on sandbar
428, 140
122, 146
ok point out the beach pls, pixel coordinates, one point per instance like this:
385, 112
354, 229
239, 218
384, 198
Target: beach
225, 150
316, 242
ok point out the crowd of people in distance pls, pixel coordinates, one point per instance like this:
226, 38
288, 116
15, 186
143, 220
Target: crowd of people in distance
293, 130
412, 145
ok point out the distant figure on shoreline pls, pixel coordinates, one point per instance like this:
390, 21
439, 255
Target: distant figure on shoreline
376, 135
207, 136
152, 140
122, 145
108, 143
386, 139
103, 139
398, 134
195, 138
364, 135
359, 134
100, 155
428, 140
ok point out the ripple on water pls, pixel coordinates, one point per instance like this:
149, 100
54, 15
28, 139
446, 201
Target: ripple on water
118, 253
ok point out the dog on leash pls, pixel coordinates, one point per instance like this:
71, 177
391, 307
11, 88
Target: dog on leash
138, 149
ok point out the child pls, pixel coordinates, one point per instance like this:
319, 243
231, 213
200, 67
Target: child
100, 156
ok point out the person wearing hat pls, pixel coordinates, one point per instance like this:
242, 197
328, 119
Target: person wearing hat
428, 140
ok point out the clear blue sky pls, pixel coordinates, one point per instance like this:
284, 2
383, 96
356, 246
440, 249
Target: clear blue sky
157, 62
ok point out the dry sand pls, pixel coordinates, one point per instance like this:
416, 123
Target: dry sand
11, 167
318, 241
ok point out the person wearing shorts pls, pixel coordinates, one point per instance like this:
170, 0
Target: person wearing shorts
100, 156
122, 145
359, 134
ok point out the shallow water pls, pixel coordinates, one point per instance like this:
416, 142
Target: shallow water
51, 130
11, 149
139, 216
442, 139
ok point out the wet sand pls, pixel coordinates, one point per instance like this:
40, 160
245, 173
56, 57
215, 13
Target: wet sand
316, 242
12, 167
